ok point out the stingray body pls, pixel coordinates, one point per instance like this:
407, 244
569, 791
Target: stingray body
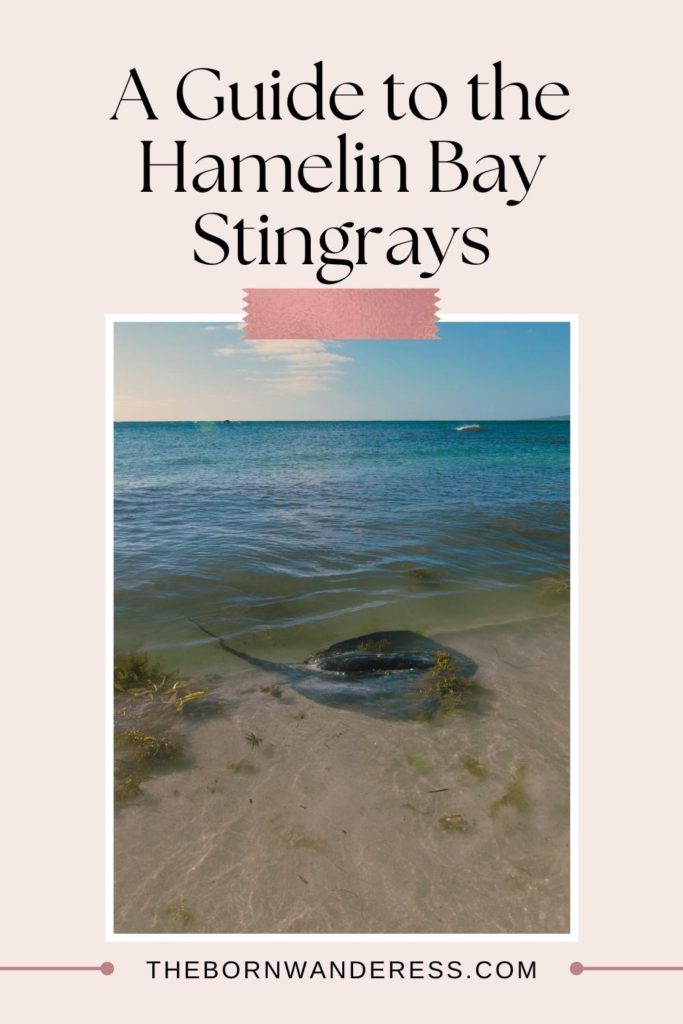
381, 674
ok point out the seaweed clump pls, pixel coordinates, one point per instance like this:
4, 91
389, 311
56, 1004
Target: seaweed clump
138, 755
474, 767
137, 676
127, 787
240, 766
153, 701
516, 794
446, 683
378, 646
148, 747
137, 673
421, 574
178, 917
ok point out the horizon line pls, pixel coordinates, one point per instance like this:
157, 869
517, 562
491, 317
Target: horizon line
444, 419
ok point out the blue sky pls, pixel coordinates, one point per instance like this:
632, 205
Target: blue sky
199, 371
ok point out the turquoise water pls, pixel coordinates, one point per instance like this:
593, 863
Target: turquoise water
286, 537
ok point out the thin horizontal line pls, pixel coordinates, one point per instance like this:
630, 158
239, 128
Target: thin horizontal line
578, 968
633, 968
105, 968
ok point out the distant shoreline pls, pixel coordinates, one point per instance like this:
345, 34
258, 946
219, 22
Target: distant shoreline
469, 419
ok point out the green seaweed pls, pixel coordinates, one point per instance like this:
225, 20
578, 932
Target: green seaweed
421, 574
127, 788
240, 766
137, 676
148, 747
447, 684
474, 767
445, 678
178, 917
139, 755
136, 671
515, 795
201, 705
187, 698
150, 701
379, 646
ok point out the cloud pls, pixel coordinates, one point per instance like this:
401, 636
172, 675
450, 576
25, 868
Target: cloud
286, 346
307, 363
232, 326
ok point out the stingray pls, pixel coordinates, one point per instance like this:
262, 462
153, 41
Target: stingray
386, 674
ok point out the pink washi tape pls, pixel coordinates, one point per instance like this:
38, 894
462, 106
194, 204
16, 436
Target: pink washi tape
398, 313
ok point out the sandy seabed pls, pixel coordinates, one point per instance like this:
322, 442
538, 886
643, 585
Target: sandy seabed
338, 822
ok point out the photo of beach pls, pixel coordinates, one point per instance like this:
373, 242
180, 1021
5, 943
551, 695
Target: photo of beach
341, 665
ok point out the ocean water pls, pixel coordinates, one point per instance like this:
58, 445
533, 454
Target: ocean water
290, 536
284, 538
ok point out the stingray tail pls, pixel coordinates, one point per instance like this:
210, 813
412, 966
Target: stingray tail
232, 650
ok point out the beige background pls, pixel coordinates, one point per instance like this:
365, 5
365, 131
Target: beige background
596, 236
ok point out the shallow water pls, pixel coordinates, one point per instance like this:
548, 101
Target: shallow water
333, 823
284, 539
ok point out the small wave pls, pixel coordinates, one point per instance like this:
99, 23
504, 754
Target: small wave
469, 426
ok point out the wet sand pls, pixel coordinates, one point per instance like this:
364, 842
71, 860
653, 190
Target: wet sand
334, 822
